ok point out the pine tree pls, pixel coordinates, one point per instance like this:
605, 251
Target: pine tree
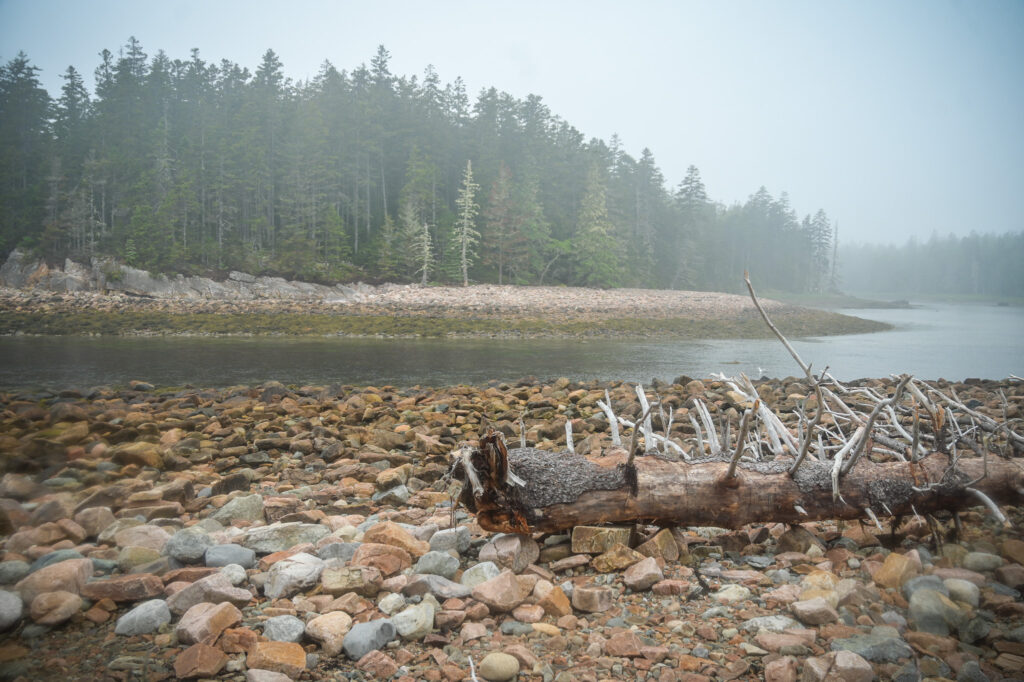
418, 247
597, 257
466, 236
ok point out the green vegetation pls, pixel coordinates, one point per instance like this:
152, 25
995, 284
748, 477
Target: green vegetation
92, 322
199, 167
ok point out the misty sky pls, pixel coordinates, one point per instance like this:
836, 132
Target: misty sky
897, 118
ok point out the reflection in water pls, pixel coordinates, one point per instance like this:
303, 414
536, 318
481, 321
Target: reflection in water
953, 342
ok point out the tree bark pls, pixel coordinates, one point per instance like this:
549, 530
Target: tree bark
562, 490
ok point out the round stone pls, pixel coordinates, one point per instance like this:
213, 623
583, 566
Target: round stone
188, 546
498, 667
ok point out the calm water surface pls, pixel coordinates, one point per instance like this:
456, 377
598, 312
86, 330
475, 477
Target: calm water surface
932, 341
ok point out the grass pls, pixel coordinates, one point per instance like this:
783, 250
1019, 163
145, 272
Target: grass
124, 323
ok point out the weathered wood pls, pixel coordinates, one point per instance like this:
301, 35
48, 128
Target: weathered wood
562, 490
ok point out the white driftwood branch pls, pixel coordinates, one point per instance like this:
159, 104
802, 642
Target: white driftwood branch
606, 407
645, 410
992, 506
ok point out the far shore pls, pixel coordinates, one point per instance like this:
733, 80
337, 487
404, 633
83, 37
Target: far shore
413, 311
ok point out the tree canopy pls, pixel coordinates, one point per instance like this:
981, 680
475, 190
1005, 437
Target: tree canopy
189, 165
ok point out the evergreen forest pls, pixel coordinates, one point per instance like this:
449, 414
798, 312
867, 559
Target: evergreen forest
195, 166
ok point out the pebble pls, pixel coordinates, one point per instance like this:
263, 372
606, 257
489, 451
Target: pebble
144, 618
882, 644
414, 622
330, 630
363, 638
229, 553
293, 574
287, 507
188, 546
731, 594
931, 611
284, 629
437, 563
981, 562
11, 609
499, 667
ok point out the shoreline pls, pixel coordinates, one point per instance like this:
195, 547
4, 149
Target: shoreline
480, 311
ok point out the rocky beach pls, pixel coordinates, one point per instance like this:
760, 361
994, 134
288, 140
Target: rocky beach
306, 532
108, 299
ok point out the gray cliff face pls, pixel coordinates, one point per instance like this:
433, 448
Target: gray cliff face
22, 272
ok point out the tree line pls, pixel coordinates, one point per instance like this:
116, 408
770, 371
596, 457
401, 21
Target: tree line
973, 265
187, 165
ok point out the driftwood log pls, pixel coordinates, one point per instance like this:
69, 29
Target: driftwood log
913, 450
562, 490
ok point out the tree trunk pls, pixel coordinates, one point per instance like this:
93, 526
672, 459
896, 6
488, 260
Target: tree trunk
562, 490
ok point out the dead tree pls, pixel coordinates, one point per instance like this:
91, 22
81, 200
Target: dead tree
916, 451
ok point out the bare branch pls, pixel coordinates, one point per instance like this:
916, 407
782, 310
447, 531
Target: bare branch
992, 507
606, 407
741, 442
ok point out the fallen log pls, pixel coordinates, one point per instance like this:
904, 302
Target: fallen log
823, 471
560, 490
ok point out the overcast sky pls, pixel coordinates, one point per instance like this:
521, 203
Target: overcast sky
897, 118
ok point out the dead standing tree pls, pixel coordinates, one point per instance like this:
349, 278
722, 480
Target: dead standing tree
916, 451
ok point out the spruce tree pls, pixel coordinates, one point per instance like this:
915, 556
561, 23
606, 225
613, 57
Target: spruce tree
466, 236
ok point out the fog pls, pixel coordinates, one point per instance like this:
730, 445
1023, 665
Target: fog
898, 119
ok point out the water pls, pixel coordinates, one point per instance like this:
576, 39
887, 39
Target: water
948, 341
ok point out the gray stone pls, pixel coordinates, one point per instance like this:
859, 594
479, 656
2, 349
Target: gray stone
981, 561
13, 571
894, 619
188, 546
1016, 634
284, 629
11, 609
289, 576
759, 561
396, 496
882, 645
963, 590
213, 588
970, 671
243, 507
279, 537
437, 563
923, 582
481, 573
234, 573
223, 555
55, 557
414, 622
908, 673
366, 637
769, 623
933, 612
515, 628
338, 550
974, 630
145, 618
391, 603
437, 585
451, 538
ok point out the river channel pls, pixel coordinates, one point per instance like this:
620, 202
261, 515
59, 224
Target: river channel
929, 341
